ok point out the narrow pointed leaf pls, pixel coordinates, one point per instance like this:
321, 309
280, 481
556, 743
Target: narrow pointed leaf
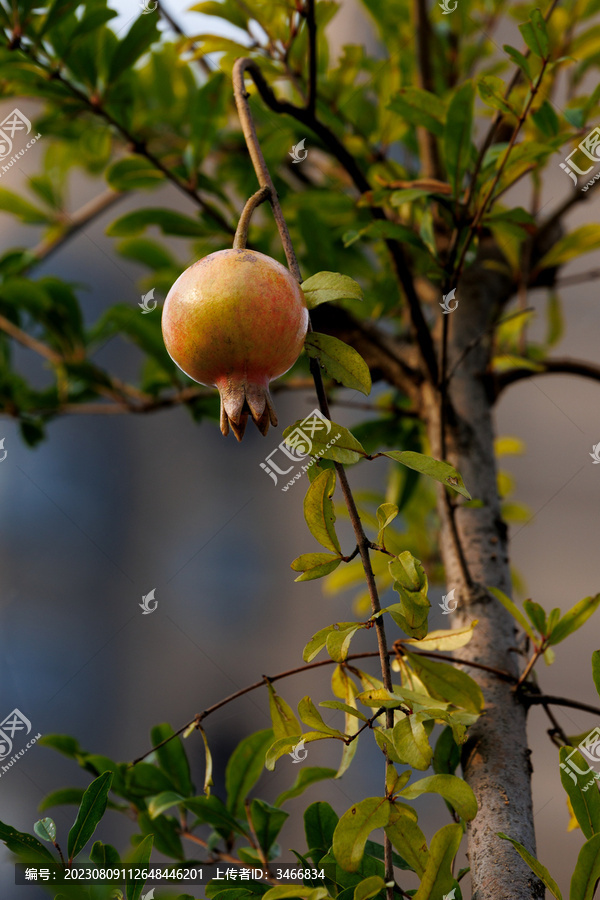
434, 468
308, 776
514, 610
542, 873
535, 34
446, 683
457, 136
319, 513
285, 723
93, 806
314, 565
596, 669
310, 715
587, 871
574, 619
339, 360
245, 767
443, 640
584, 797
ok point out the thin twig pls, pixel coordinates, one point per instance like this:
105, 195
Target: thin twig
311, 25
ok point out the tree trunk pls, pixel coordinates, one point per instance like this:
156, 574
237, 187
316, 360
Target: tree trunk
495, 758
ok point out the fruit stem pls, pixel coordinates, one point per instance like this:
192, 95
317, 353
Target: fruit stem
241, 234
258, 160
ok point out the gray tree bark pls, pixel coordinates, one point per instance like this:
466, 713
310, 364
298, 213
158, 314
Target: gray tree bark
495, 758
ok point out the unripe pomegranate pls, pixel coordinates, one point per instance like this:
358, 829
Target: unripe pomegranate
236, 319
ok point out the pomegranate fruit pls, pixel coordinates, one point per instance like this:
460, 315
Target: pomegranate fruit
236, 319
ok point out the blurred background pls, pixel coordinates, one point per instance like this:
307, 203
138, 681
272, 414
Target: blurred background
112, 507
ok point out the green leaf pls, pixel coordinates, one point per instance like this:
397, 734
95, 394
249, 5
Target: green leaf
433, 468
167, 220
587, 871
410, 581
133, 173
157, 805
244, 768
22, 209
438, 877
446, 756
491, 90
214, 812
311, 716
328, 287
341, 361
514, 610
407, 837
384, 230
456, 791
139, 859
338, 642
574, 619
148, 253
457, 135
172, 758
104, 855
518, 58
285, 723
45, 829
354, 828
344, 448
306, 777
536, 867
320, 822
536, 614
319, 513
314, 565
444, 640
420, 107
411, 741
93, 807
596, 669
581, 240
26, 846
386, 513
138, 39
546, 119
446, 683
304, 893
369, 887
319, 640
267, 821
535, 34
584, 798
62, 797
